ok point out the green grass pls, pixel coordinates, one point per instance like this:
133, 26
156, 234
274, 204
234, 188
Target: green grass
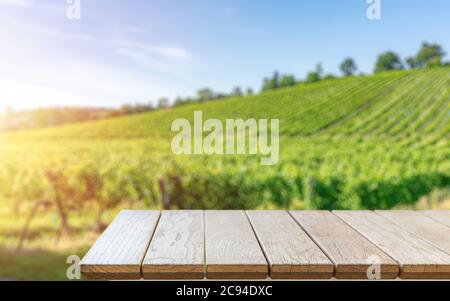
45, 251
303, 109
374, 142
35, 265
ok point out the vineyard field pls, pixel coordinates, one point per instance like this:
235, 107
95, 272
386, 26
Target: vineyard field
373, 142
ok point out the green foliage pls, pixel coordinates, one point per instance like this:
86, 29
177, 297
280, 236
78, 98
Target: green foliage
319, 70
348, 67
48, 117
205, 94
163, 103
287, 81
278, 81
329, 76
312, 77
388, 61
411, 62
430, 55
355, 142
271, 83
237, 92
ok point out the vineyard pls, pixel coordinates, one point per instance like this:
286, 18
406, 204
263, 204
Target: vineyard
358, 142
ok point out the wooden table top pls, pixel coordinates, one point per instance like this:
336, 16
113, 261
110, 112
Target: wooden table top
257, 244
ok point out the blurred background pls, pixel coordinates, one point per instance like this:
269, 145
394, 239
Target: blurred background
89, 90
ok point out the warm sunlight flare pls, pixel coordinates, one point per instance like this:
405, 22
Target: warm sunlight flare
224, 140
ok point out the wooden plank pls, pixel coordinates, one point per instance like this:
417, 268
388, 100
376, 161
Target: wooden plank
422, 226
442, 216
177, 248
119, 251
352, 254
232, 250
418, 259
289, 250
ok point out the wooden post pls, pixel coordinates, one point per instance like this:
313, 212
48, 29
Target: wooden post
24, 233
165, 198
53, 178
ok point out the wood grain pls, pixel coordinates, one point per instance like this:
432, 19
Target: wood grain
418, 259
422, 226
119, 251
232, 250
177, 247
289, 250
351, 253
442, 216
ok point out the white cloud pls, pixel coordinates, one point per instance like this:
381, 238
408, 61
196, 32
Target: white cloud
173, 62
77, 83
174, 53
44, 65
9, 24
152, 63
24, 95
38, 5
17, 3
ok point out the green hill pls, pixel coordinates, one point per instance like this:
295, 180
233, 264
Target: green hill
357, 142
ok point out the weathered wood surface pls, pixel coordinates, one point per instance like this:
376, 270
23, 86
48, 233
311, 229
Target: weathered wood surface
353, 255
177, 248
232, 250
119, 251
442, 216
422, 226
289, 250
418, 259
190, 244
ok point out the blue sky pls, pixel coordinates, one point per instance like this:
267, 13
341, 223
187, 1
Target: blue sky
138, 50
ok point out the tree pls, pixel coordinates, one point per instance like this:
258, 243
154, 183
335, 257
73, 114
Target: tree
412, 63
163, 102
315, 76
388, 61
249, 91
312, 77
237, 91
287, 81
179, 101
271, 83
319, 70
205, 94
348, 67
267, 84
276, 79
430, 55
219, 95
329, 76
143, 107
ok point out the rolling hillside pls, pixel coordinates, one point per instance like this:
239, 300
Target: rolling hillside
349, 106
359, 142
